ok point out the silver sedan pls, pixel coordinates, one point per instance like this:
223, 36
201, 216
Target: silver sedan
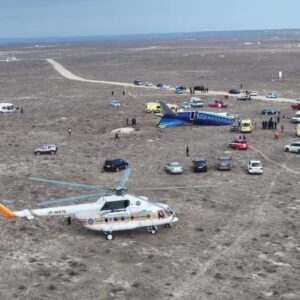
174, 168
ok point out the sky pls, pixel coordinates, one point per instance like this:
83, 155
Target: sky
57, 18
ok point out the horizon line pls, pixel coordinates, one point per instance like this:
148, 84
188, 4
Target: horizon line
7, 39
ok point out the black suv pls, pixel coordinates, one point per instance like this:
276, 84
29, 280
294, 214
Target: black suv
199, 164
115, 164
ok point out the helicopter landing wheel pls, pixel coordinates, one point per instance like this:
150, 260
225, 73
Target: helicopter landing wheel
153, 230
109, 236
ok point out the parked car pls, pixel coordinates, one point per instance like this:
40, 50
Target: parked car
199, 164
296, 118
296, 106
163, 86
293, 147
138, 82
253, 93
234, 128
238, 144
46, 149
199, 88
147, 83
174, 168
234, 91
224, 163
185, 105
178, 91
217, 103
272, 95
115, 103
181, 87
115, 164
254, 167
269, 111
196, 102
244, 98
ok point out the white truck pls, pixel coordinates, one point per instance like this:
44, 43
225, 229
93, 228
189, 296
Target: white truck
196, 102
8, 108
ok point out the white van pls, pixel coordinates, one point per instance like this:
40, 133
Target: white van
8, 108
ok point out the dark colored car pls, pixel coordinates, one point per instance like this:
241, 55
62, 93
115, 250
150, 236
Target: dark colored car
234, 91
200, 88
224, 163
270, 111
115, 164
138, 82
199, 164
234, 128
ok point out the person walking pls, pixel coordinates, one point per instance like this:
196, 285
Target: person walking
116, 136
276, 135
112, 93
21, 110
278, 119
123, 93
127, 122
282, 128
70, 131
187, 151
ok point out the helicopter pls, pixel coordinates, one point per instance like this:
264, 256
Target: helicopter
115, 209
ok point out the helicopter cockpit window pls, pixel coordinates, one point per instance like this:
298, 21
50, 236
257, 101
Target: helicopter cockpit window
115, 205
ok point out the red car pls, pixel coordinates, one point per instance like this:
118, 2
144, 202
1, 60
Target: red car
296, 106
239, 144
217, 103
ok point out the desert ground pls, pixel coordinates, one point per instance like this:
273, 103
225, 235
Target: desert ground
237, 240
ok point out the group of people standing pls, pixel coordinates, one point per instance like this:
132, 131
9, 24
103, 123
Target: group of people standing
272, 124
133, 122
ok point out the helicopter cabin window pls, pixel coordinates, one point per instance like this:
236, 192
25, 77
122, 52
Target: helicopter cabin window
161, 214
115, 205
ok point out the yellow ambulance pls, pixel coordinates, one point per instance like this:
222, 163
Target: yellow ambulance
154, 107
246, 126
298, 129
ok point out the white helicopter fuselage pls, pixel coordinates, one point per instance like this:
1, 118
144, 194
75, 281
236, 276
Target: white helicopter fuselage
110, 213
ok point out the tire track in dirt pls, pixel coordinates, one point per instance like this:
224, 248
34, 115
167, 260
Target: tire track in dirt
197, 283
275, 162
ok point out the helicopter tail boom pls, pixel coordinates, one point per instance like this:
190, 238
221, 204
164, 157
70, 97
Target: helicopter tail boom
6, 212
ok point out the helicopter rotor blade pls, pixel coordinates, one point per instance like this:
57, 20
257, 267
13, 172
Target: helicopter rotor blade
122, 182
66, 183
71, 198
175, 187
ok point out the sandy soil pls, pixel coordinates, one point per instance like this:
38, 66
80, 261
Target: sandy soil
239, 240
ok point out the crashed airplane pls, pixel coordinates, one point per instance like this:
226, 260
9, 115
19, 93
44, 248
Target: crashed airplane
170, 118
